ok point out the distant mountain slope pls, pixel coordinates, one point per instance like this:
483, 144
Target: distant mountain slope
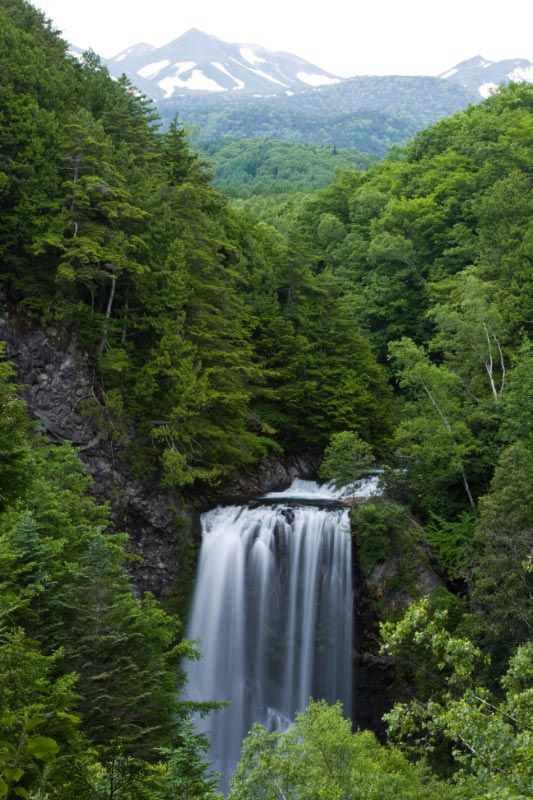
224, 90
197, 61
367, 114
482, 76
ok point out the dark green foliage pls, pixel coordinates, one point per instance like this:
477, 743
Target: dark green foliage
218, 334
453, 543
90, 674
14, 447
377, 527
213, 338
502, 593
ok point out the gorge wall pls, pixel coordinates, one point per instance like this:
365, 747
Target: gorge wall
59, 383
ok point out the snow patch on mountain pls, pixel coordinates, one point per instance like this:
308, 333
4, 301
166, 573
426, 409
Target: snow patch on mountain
238, 83
250, 56
482, 76
215, 65
448, 74
138, 50
197, 81
268, 77
151, 70
316, 80
183, 66
522, 74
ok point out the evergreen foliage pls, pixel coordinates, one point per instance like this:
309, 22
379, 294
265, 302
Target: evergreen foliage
346, 459
124, 241
367, 113
90, 674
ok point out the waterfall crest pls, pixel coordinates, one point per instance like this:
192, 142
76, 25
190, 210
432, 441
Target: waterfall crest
272, 611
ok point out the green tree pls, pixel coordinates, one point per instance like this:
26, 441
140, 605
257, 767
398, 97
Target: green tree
435, 435
14, 445
502, 591
77, 645
517, 409
490, 738
347, 457
320, 757
470, 333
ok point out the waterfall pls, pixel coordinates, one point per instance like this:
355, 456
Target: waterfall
272, 611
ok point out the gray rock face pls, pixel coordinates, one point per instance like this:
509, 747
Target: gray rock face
55, 383
58, 382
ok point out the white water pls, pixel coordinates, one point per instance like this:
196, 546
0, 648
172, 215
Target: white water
310, 490
272, 609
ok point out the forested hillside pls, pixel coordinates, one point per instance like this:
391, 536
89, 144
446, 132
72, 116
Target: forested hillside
369, 114
243, 168
392, 307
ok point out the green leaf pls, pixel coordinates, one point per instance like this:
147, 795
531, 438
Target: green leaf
74, 718
12, 774
42, 747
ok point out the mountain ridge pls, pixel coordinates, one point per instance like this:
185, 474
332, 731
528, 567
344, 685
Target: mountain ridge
197, 61
222, 90
200, 62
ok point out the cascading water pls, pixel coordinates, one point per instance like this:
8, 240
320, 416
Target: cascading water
272, 611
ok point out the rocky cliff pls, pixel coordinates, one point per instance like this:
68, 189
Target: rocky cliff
59, 383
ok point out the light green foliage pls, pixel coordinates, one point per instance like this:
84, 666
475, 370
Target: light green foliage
434, 434
490, 737
259, 167
36, 719
320, 757
346, 458
452, 543
517, 402
469, 333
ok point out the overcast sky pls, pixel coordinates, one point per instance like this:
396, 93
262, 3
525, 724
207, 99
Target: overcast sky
374, 37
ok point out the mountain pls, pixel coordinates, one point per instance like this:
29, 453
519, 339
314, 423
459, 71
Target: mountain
229, 90
482, 76
197, 61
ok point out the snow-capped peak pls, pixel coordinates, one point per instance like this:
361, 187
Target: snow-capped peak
197, 61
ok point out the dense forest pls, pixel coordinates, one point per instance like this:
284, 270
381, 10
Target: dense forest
388, 313
368, 113
243, 168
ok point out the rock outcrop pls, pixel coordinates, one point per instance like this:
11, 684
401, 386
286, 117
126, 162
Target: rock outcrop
60, 386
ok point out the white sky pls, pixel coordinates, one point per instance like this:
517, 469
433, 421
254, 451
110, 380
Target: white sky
345, 37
